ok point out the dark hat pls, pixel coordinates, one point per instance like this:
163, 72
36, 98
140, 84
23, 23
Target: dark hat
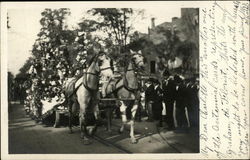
166, 73
193, 79
156, 81
151, 80
177, 79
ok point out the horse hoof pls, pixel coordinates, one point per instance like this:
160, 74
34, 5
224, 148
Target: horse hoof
70, 132
82, 136
133, 141
119, 131
92, 131
86, 142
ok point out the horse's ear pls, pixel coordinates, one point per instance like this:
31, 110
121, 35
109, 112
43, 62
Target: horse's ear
112, 65
131, 51
93, 59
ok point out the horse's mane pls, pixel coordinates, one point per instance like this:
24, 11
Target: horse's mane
92, 59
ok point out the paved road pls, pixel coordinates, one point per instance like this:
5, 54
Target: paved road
25, 136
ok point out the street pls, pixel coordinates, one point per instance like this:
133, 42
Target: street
25, 136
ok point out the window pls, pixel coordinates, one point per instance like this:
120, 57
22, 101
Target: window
152, 66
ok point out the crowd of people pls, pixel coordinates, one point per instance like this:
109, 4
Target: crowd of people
173, 102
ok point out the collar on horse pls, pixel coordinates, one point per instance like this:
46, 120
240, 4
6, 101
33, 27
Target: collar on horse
125, 85
125, 81
84, 82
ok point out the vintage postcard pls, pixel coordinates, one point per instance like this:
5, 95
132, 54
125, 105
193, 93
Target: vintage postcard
125, 80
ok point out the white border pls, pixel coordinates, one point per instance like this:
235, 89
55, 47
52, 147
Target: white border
4, 113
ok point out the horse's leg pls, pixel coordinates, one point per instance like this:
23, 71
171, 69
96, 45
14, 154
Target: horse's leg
83, 99
83, 128
132, 123
97, 118
81, 123
123, 115
70, 116
96, 111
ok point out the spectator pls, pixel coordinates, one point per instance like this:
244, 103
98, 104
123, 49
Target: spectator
188, 99
169, 93
157, 104
180, 102
149, 99
140, 107
194, 104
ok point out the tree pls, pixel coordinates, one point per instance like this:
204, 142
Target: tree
190, 25
23, 71
114, 21
50, 54
117, 23
182, 39
10, 86
50, 50
167, 48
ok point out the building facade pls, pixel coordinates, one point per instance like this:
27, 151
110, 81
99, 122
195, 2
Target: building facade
185, 55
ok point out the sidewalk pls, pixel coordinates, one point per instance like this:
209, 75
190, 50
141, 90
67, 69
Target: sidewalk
152, 139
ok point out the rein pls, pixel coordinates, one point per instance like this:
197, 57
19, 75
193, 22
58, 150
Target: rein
103, 69
95, 74
90, 73
86, 85
125, 84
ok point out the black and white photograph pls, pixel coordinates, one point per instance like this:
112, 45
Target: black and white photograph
111, 79
103, 80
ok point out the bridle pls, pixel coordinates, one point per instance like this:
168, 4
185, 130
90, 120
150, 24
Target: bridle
97, 74
140, 61
125, 83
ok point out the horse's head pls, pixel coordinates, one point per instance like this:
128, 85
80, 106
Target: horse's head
106, 65
101, 65
94, 67
91, 75
138, 59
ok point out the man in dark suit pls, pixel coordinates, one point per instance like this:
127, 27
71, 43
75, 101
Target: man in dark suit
157, 105
169, 93
180, 102
194, 103
149, 99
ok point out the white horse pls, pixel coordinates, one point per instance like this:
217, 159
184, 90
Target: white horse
82, 95
127, 90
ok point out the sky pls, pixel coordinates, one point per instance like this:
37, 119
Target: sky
25, 26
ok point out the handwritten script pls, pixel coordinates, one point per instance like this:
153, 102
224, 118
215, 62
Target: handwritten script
224, 72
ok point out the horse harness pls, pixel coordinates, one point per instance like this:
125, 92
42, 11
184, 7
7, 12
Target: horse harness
92, 91
115, 90
84, 83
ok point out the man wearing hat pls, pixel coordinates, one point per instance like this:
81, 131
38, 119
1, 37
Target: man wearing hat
157, 105
194, 103
169, 93
180, 102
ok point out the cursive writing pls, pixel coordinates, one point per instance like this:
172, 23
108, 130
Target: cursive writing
224, 64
